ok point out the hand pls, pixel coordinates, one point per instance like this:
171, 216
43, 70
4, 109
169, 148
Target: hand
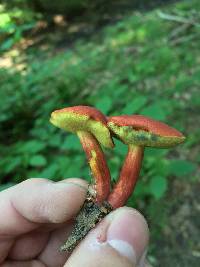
36, 216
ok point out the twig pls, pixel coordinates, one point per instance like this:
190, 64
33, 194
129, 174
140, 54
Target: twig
179, 19
179, 30
184, 39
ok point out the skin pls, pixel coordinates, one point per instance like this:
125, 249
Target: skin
37, 216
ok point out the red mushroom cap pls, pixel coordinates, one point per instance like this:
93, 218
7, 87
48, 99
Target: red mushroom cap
91, 112
144, 131
83, 118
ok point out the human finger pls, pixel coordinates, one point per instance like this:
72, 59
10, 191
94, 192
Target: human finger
120, 240
32, 204
37, 201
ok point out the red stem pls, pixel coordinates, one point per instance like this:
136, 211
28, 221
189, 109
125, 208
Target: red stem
128, 177
98, 165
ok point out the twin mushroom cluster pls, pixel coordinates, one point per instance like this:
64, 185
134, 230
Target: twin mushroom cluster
94, 129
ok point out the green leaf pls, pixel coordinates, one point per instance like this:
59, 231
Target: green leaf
50, 171
12, 164
156, 111
104, 104
86, 174
63, 162
157, 166
120, 148
32, 147
74, 167
7, 44
55, 141
154, 152
134, 105
181, 167
158, 186
71, 143
140, 190
118, 91
114, 165
38, 161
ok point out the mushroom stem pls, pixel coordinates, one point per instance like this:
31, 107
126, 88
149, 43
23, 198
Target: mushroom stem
128, 177
98, 165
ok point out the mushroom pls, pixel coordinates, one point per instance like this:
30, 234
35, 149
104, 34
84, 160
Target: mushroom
91, 128
137, 131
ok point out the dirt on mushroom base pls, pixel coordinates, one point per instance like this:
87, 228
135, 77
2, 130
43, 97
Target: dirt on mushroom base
89, 215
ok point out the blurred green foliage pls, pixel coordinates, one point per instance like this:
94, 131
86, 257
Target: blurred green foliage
15, 21
138, 65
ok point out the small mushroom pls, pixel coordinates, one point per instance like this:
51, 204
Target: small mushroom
137, 131
91, 128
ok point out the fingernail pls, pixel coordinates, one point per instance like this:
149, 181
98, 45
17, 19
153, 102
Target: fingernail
128, 234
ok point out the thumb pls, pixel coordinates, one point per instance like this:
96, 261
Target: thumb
120, 240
